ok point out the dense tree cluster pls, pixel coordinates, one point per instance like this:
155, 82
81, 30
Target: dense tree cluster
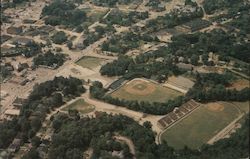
4, 73
13, 3
44, 98
111, 3
20, 1
8, 131
31, 49
157, 5
172, 19
99, 32
155, 108
117, 67
213, 87
191, 3
211, 6
32, 153
61, 12
59, 37
242, 23
216, 41
76, 136
145, 65
125, 42
49, 59
125, 19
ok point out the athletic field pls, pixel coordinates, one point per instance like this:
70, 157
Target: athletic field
201, 125
144, 90
80, 105
90, 62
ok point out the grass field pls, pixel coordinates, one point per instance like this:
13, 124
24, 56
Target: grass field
80, 105
143, 90
89, 62
201, 125
93, 15
243, 106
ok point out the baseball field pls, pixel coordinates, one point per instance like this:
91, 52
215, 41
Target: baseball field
144, 90
201, 125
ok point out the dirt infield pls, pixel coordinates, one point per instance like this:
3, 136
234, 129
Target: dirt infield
139, 87
215, 107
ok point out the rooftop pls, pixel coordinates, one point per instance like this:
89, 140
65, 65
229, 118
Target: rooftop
12, 112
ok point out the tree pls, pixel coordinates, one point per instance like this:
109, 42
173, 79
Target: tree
57, 99
194, 59
35, 141
59, 37
36, 123
147, 124
69, 44
31, 154
74, 154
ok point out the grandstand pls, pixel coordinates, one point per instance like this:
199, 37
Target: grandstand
177, 114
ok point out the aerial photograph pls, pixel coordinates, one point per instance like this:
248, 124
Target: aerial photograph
125, 79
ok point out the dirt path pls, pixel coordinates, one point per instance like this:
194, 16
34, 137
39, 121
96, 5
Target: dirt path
129, 142
175, 88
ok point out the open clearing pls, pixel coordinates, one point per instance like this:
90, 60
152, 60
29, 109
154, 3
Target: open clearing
240, 84
80, 105
143, 90
90, 62
201, 125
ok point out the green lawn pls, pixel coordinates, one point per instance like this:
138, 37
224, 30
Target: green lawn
199, 127
160, 94
89, 62
93, 16
80, 105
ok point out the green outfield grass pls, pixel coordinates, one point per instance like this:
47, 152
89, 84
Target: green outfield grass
145, 91
200, 126
80, 105
243, 106
89, 62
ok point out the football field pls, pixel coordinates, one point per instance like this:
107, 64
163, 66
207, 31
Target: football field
201, 125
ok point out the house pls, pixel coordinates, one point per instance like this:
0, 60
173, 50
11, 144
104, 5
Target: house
22, 41
14, 30
184, 66
12, 112
4, 38
160, 59
8, 51
18, 102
